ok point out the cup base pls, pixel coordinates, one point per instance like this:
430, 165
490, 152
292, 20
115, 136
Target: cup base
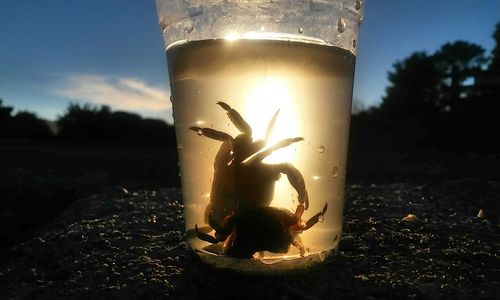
270, 265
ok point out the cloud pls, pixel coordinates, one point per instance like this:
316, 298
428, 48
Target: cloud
120, 93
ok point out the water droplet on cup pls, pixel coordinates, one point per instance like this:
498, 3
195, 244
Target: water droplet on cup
335, 172
358, 4
301, 30
341, 25
180, 147
321, 149
354, 43
197, 92
199, 131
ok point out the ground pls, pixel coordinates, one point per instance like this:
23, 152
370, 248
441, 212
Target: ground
400, 241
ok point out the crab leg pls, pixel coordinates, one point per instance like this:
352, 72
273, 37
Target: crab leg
297, 242
212, 133
316, 218
236, 118
270, 126
191, 233
297, 181
293, 174
265, 153
205, 237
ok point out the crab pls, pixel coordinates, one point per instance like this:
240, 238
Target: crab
260, 229
242, 181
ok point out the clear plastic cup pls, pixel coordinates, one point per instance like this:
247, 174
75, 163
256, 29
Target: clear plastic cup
261, 96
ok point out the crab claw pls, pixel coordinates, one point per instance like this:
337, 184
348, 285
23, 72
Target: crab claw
316, 218
212, 133
236, 118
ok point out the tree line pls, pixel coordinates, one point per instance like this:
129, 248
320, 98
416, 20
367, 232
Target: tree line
86, 124
448, 100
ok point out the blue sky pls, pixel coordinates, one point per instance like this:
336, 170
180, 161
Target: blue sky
111, 51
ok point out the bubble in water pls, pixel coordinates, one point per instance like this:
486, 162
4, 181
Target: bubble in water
197, 92
321, 149
354, 43
358, 4
199, 131
335, 172
301, 29
212, 125
341, 25
321, 218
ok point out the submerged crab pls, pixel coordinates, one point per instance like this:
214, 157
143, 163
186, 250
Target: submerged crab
242, 181
260, 229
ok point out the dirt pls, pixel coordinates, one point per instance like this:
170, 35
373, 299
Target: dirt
400, 241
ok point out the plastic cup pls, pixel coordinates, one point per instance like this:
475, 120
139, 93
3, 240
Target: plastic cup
261, 96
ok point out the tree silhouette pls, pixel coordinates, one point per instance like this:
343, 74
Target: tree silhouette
24, 125
82, 123
458, 62
409, 110
86, 123
5, 117
27, 125
489, 84
413, 82
494, 66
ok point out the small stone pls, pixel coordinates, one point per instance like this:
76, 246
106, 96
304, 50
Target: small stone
362, 277
364, 248
480, 214
409, 218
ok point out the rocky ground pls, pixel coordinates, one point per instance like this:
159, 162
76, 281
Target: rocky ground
400, 241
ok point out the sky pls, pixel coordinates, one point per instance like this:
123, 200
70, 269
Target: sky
53, 52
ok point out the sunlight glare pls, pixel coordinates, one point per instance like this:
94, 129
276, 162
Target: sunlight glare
266, 97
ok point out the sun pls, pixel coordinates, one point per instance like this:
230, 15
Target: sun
267, 95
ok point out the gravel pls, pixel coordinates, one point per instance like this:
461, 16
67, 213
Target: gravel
400, 241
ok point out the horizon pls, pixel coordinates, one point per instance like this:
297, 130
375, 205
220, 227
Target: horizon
112, 53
